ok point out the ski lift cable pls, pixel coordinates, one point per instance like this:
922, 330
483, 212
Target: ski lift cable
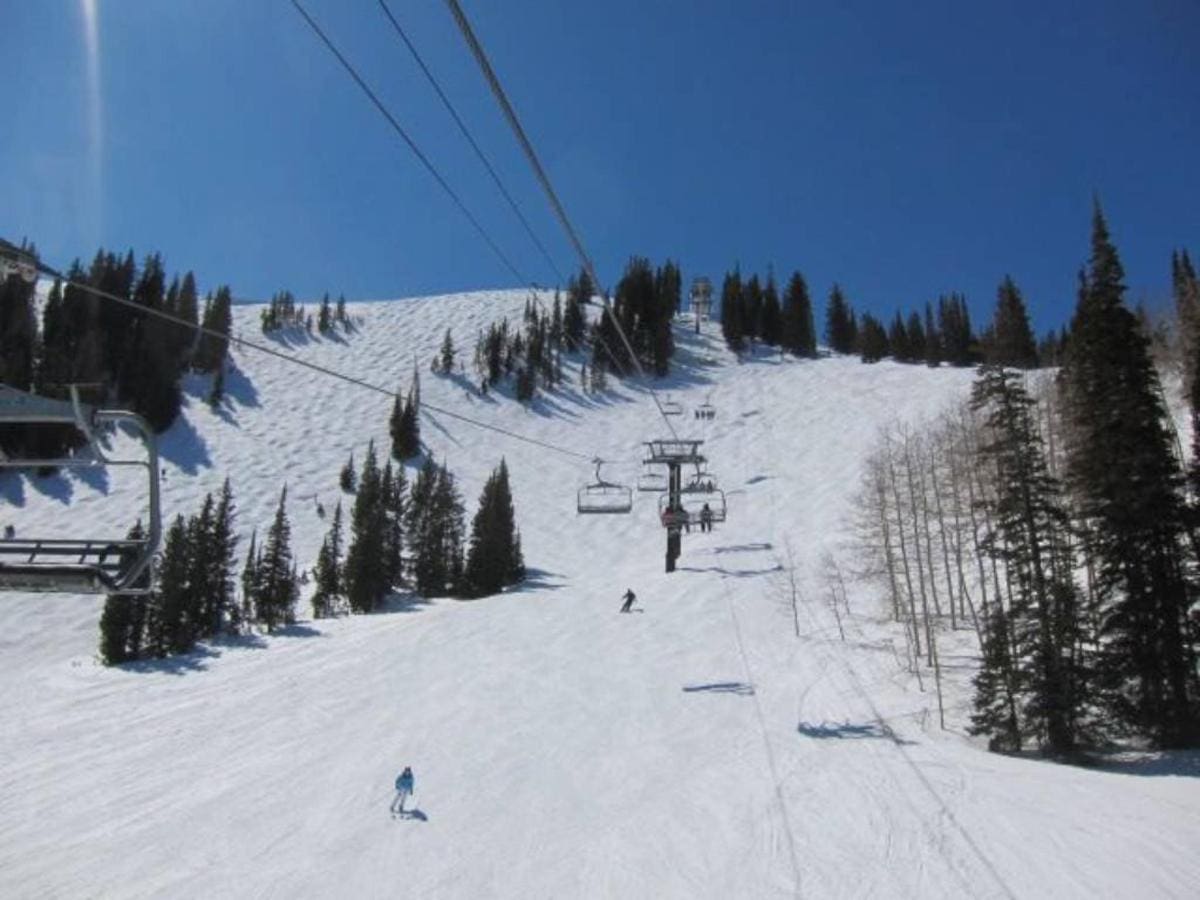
471, 140
295, 360
383, 110
510, 114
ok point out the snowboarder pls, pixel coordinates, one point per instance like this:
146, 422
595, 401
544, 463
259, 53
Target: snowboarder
629, 597
706, 518
404, 789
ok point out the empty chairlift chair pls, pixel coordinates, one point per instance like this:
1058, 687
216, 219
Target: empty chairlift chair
604, 496
670, 406
653, 479
86, 565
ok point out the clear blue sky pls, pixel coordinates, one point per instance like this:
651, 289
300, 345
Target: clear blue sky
903, 150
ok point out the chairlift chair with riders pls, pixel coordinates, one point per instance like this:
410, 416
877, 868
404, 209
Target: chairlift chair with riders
85, 565
699, 492
604, 496
705, 411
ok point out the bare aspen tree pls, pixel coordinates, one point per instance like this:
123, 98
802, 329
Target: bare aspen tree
893, 482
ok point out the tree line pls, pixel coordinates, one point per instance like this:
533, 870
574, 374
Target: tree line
399, 538
118, 355
754, 311
1058, 518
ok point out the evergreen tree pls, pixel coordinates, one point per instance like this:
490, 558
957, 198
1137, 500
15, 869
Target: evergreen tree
123, 620
276, 580
494, 560
218, 316
933, 340
446, 360
364, 576
348, 479
996, 687
898, 340
772, 315
327, 572
325, 316
222, 607
1031, 539
732, 325
1012, 342
579, 294
839, 333
873, 341
798, 333
175, 618
250, 581
1127, 485
437, 550
915, 333
954, 324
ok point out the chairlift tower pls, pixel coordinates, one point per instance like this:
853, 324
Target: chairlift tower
674, 454
701, 297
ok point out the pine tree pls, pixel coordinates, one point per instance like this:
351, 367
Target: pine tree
1012, 342
732, 315
798, 333
873, 341
435, 531
348, 479
954, 324
446, 361
1031, 539
579, 294
218, 316
327, 572
250, 582
324, 316
364, 576
1127, 485
276, 582
839, 333
933, 340
772, 315
123, 620
494, 560
996, 687
175, 617
223, 608
405, 426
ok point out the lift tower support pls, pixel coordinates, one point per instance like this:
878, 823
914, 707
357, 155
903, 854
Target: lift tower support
674, 454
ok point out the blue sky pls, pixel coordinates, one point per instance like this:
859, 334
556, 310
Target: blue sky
902, 150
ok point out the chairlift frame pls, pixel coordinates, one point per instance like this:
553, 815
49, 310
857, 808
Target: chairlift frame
80, 565
603, 497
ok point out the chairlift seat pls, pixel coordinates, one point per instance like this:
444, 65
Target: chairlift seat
604, 497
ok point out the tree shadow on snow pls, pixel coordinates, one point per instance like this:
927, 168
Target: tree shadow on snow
1180, 763
183, 446
744, 548
866, 730
54, 487
12, 487
733, 573
741, 688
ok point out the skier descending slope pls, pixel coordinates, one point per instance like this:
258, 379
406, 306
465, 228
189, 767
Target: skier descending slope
629, 597
404, 788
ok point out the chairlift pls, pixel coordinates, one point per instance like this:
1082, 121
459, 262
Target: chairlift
690, 509
705, 411
17, 261
91, 565
671, 407
653, 479
604, 496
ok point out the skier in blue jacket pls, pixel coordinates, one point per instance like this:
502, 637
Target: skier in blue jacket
404, 788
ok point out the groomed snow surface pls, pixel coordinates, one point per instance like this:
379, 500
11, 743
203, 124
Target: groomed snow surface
695, 748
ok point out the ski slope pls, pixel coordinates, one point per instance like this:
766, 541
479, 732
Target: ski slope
696, 748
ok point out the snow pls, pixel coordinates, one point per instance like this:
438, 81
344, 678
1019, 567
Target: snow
695, 748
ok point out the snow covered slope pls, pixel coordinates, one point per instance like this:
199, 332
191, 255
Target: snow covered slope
694, 749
